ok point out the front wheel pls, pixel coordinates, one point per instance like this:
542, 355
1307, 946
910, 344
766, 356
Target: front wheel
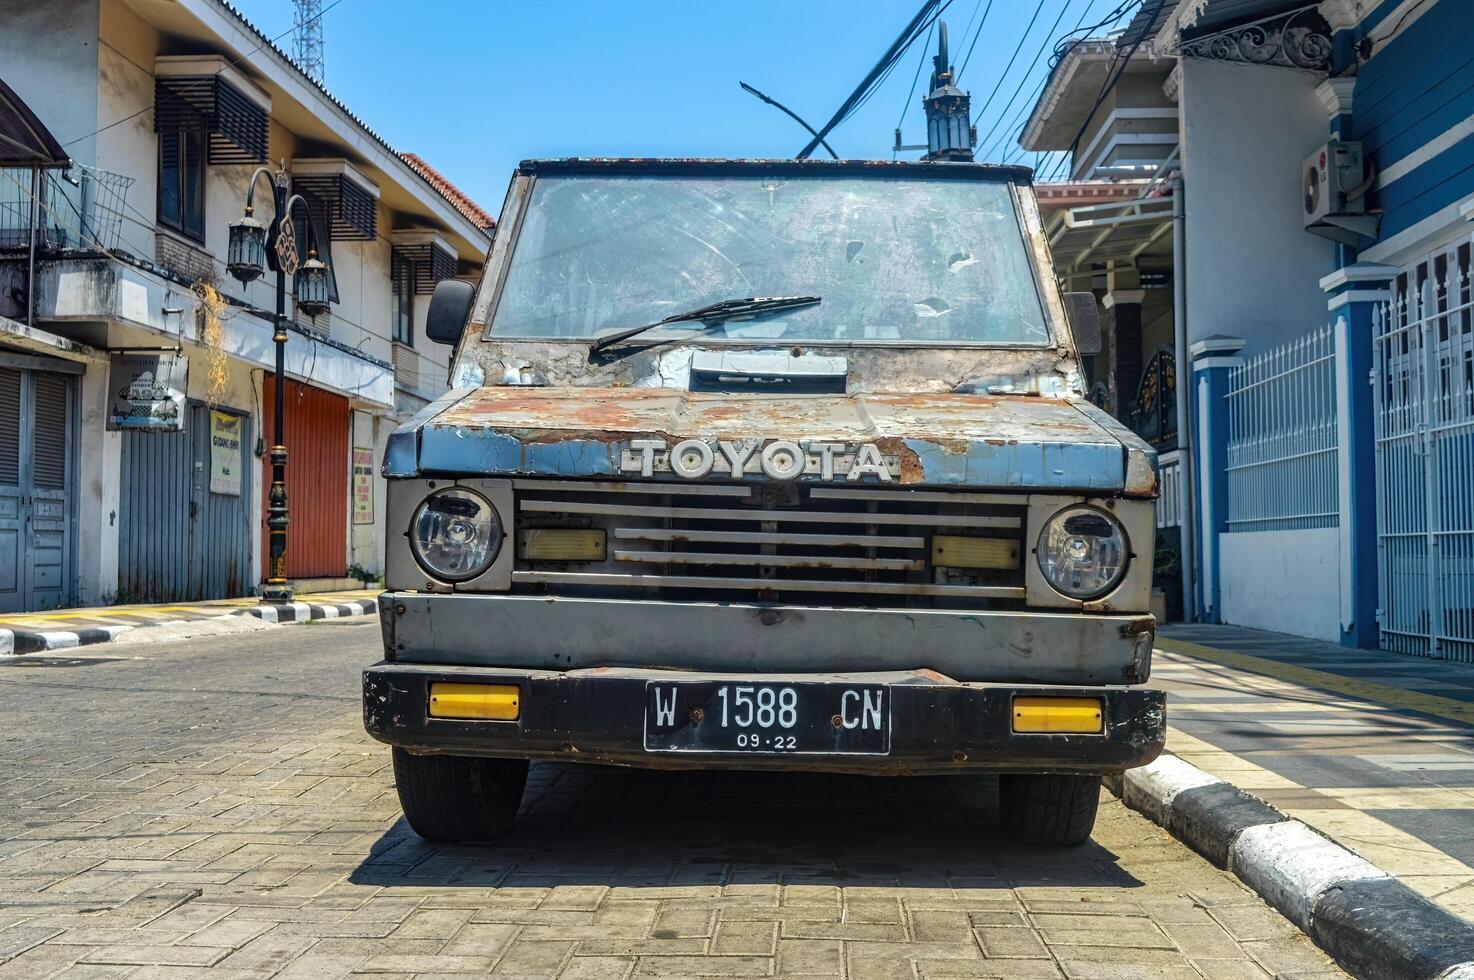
1048, 808
452, 799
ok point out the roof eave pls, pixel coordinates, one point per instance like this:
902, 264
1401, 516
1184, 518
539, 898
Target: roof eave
251, 47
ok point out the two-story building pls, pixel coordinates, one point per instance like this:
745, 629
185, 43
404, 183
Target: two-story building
1319, 176
166, 109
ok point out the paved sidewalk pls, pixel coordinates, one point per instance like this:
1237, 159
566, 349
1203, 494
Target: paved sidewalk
1375, 750
67, 628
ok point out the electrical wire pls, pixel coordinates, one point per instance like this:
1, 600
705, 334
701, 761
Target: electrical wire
1025, 79
924, 18
1012, 58
976, 34
228, 64
1002, 142
1113, 75
920, 63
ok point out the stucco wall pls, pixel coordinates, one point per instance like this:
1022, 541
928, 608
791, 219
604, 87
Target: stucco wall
1252, 269
1286, 581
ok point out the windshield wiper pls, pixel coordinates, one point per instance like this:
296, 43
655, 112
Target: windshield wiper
748, 308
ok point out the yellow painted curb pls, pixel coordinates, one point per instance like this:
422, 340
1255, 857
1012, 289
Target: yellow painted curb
1428, 704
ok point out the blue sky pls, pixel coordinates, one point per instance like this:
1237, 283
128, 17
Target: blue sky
475, 87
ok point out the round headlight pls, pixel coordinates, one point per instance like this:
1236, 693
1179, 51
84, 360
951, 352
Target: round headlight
1083, 552
455, 534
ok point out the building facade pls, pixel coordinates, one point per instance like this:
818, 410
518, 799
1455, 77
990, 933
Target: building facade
167, 109
1320, 174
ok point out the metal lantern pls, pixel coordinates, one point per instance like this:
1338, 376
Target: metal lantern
245, 256
312, 286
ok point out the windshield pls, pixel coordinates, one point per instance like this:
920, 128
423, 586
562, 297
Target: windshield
914, 260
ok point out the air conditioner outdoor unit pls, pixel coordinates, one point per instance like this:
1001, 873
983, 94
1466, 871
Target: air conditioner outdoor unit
1334, 188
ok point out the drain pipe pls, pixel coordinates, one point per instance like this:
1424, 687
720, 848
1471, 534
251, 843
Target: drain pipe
1188, 530
31, 256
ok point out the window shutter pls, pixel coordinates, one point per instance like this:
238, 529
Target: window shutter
50, 426
10, 426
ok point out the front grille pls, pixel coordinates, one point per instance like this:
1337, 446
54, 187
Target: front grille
802, 544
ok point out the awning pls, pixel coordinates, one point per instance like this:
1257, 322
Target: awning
24, 141
429, 254
206, 93
1120, 232
349, 199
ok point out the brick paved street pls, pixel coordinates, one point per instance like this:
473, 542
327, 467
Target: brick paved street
169, 809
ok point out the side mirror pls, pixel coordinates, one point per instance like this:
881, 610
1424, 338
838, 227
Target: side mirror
450, 308
1084, 322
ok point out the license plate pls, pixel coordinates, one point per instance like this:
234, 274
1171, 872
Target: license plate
767, 719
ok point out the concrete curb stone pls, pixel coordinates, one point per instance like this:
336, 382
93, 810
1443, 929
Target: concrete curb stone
1371, 923
17, 642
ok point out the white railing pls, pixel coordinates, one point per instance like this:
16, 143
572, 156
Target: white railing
1282, 437
1169, 490
1423, 398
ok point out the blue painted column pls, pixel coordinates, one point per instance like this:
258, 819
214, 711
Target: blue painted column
1353, 294
1212, 360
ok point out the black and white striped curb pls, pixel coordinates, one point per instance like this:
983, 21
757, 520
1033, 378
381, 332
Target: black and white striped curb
26, 641
298, 612
15, 642
1371, 923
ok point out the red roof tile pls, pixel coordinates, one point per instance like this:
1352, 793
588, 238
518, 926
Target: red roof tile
467, 207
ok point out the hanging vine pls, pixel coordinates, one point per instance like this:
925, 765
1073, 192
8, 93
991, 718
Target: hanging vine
212, 338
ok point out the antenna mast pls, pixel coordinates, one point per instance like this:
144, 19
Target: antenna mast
307, 27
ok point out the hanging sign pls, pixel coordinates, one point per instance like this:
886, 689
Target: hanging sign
147, 392
363, 486
225, 453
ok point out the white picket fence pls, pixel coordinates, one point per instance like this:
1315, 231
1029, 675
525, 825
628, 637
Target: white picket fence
1282, 439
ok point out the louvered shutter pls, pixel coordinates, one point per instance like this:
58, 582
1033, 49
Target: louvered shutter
9, 426
50, 426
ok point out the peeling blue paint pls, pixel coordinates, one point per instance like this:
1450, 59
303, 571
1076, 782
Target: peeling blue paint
1025, 465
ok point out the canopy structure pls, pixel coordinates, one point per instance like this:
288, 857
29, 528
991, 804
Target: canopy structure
24, 141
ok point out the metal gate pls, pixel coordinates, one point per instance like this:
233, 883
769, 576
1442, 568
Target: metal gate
177, 540
37, 468
1423, 384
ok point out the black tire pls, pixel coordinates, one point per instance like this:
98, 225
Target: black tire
453, 799
1050, 809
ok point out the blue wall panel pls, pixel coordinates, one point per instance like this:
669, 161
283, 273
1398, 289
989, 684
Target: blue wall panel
1414, 89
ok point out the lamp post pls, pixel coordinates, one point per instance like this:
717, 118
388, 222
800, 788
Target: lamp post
253, 248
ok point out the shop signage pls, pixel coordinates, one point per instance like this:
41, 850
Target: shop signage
148, 392
363, 486
225, 453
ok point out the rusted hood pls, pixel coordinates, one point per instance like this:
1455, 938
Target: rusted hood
952, 440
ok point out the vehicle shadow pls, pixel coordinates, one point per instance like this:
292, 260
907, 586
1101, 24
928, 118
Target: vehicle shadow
594, 825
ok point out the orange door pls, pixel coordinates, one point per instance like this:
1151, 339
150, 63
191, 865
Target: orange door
317, 480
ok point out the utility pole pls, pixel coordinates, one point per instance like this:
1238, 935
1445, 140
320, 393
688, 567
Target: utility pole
307, 28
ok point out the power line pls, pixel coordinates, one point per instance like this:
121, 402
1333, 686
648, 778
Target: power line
920, 63
1112, 78
1025, 79
1033, 98
976, 34
228, 64
929, 12
1016, 49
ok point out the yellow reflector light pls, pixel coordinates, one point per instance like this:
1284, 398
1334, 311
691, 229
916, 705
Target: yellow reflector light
1076, 716
955, 551
497, 702
563, 544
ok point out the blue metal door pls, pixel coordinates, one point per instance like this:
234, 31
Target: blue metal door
37, 422
179, 541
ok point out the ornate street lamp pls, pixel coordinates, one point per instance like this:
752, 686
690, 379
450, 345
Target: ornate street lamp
253, 248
